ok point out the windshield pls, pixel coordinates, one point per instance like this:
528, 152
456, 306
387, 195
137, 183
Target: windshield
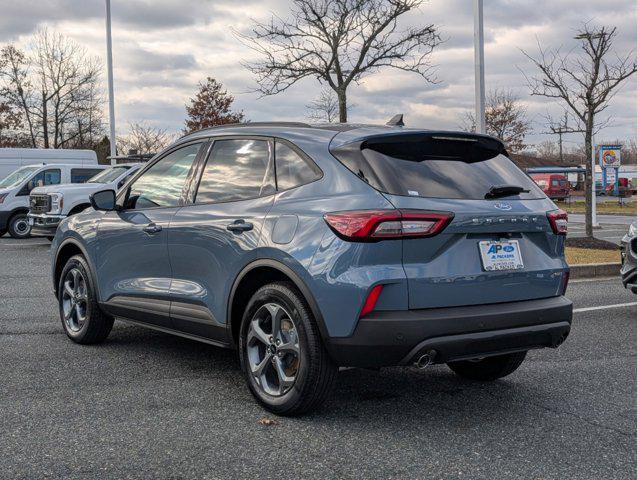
108, 175
439, 167
18, 177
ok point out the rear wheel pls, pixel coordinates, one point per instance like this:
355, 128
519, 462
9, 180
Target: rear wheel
82, 319
489, 368
18, 226
287, 368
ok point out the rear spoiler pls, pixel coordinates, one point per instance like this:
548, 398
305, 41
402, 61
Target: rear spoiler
467, 147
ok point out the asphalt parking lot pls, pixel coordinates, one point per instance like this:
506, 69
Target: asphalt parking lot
149, 405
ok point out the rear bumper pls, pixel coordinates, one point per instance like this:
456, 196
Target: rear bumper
43, 225
401, 337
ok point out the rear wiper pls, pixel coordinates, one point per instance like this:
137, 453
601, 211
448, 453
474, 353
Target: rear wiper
498, 191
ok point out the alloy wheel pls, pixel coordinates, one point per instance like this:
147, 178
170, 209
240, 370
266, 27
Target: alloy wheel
273, 349
22, 227
74, 300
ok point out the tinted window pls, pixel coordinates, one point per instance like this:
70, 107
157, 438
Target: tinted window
81, 175
443, 167
162, 184
293, 170
236, 170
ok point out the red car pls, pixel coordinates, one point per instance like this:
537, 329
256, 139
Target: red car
554, 185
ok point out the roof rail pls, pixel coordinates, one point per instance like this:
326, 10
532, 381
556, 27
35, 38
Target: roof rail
255, 124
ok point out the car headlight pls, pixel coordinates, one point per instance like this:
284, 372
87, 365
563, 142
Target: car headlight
57, 202
632, 230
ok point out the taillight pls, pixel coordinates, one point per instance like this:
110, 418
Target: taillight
375, 225
559, 221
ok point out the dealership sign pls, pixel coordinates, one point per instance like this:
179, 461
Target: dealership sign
610, 158
610, 155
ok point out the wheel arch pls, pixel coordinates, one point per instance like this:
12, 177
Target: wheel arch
79, 208
251, 278
66, 250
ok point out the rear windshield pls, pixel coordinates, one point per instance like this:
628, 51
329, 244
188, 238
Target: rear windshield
454, 168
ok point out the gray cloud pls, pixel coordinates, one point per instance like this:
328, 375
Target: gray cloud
163, 48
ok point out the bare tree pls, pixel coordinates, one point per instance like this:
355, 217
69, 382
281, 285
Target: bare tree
505, 119
56, 86
324, 108
339, 42
16, 87
585, 82
144, 139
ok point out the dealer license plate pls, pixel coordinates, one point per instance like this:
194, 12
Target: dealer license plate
500, 255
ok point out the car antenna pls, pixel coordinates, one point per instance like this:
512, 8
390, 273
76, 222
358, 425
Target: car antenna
396, 121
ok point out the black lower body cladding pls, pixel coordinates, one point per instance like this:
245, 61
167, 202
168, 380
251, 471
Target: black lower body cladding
388, 338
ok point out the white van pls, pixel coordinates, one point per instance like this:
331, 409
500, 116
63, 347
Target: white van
16, 187
13, 158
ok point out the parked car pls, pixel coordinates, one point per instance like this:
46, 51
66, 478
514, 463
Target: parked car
629, 258
51, 204
554, 186
309, 248
16, 188
13, 158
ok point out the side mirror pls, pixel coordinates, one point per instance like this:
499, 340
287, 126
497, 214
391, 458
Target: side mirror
104, 200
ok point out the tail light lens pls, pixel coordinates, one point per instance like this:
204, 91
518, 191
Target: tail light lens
376, 225
559, 221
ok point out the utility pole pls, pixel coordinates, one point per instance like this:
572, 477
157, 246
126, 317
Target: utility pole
478, 46
109, 66
560, 129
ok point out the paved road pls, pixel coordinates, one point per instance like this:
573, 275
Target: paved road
613, 227
148, 405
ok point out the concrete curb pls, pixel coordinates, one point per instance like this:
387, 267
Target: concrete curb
592, 270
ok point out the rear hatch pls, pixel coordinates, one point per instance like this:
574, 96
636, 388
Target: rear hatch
500, 245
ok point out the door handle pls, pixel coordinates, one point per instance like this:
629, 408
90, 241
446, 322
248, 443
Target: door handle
240, 226
152, 228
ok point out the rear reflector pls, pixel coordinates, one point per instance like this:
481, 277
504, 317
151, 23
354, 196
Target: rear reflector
372, 298
559, 221
375, 225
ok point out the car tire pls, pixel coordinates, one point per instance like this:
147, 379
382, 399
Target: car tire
82, 319
18, 226
489, 368
288, 369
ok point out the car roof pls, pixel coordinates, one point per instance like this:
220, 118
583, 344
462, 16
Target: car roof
337, 134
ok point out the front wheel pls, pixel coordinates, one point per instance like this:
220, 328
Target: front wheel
19, 226
489, 368
82, 319
287, 368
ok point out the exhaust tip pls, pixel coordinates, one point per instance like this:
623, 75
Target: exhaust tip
425, 360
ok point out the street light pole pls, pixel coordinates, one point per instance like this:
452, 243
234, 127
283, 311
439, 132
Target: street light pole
109, 65
478, 45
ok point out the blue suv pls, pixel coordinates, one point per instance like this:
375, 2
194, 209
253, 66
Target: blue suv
309, 248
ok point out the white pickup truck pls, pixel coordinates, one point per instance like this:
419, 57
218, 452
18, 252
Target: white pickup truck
50, 205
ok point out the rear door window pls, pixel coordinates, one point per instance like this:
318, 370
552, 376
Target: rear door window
81, 175
237, 170
425, 166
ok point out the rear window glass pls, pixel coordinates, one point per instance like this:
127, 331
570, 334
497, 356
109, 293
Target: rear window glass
437, 168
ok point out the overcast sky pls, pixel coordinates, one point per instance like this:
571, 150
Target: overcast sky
163, 48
